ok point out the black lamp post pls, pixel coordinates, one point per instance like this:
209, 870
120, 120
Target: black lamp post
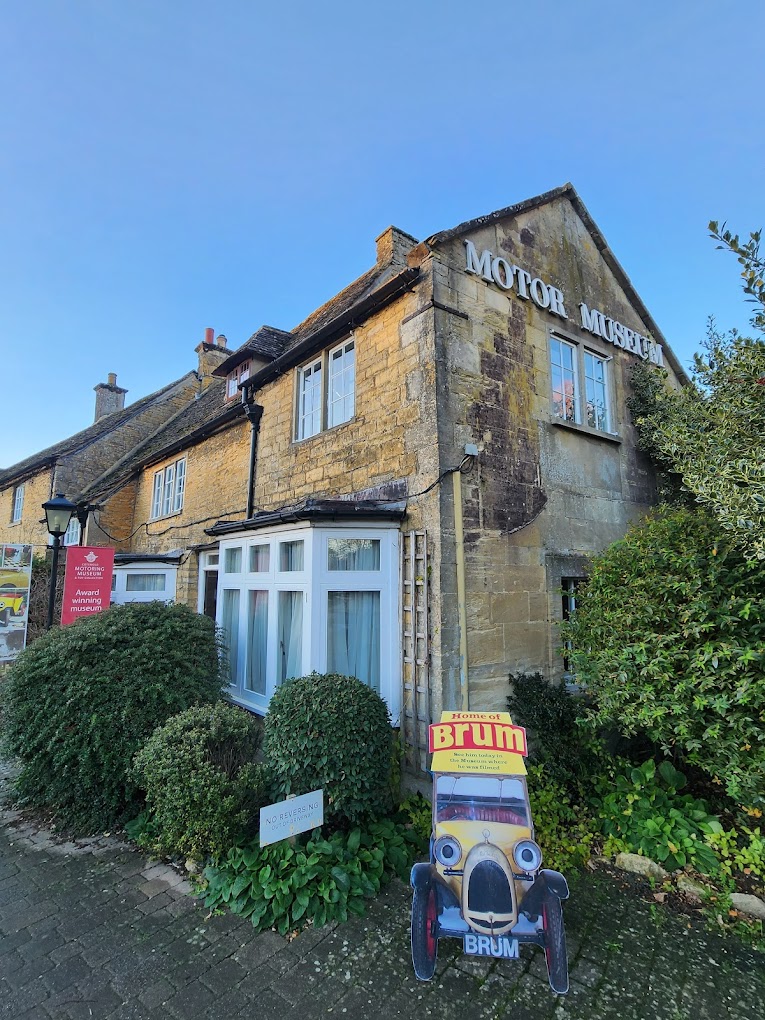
58, 513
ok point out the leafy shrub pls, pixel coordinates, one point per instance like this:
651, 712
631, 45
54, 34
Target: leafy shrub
418, 812
558, 736
564, 827
202, 785
647, 812
333, 732
82, 700
669, 638
284, 886
742, 852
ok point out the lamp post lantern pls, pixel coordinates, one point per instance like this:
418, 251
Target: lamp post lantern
58, 513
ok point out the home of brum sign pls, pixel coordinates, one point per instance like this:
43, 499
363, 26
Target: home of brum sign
495, 269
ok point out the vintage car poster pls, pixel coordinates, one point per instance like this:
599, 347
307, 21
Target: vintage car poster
484, 883
15, 583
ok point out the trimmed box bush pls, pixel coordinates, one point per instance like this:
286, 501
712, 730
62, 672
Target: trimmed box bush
202, 784
332, 732
82, 700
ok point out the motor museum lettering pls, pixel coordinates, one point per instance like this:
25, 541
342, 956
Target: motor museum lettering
508, 276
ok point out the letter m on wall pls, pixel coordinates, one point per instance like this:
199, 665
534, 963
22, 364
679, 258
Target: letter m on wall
480, 266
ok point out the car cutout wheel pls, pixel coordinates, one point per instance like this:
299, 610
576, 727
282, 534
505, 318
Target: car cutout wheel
425, 932
555, 943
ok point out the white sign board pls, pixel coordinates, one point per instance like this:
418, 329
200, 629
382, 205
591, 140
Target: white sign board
289, 817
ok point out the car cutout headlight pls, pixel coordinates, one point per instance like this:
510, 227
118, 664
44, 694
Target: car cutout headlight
527, 855
447, 850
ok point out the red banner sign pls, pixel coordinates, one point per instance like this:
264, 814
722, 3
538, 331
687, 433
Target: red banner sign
87, 582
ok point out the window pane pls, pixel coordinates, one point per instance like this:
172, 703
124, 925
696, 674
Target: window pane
156, 498
230, 624
180, 485
563, 377
72, 535
353, 635
145, 582
18, 503
353, 554
595, 391
291, 555
260, 558
257, 637
309, 401
167, 500
232, 560
342, 373
290, 631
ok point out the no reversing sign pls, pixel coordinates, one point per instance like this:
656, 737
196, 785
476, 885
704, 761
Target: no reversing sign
289, 817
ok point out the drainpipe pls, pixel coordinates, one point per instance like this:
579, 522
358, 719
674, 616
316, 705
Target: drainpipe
459, 540
254, 413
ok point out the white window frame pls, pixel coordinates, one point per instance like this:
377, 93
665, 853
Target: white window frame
235, 378
72, 533
17, 505
168, 489
315, 581
336, 363
580, 379
120, 593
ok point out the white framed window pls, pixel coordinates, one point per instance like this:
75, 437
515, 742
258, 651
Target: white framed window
168, 490
589, 405
309, 400
148, 582
72, 533
17, 506
326, 389
311, 598
233, 379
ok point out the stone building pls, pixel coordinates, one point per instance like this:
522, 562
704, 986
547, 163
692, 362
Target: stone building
409, 484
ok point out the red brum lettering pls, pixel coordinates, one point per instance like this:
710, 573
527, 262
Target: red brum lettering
493, 736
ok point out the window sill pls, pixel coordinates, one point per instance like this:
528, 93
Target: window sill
585, 430
323, 432
165, 517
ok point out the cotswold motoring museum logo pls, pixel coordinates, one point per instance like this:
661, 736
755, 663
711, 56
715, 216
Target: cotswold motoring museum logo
507, 276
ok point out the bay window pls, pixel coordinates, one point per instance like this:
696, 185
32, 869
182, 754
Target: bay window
301, 598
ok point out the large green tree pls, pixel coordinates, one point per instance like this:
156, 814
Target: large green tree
712, 433
669, 640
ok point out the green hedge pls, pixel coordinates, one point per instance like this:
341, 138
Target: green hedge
203, 787
333, 732
81, 701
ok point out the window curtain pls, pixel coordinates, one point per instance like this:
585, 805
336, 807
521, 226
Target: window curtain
353, 554
291, 555
353, 635
290, 650
257, 635
230, 622
145, 582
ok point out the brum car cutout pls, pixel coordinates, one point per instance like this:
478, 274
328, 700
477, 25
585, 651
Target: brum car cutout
484, 882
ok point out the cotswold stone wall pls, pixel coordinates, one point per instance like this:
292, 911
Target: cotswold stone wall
542, 496
29, 530
391, 435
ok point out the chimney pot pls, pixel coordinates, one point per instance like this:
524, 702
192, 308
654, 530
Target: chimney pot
209, 334
221, 341
112, 379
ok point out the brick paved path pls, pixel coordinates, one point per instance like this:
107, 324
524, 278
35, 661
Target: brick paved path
93, 930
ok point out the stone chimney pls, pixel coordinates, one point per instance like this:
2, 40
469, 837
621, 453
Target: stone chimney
211, 354
109, 397
393, 245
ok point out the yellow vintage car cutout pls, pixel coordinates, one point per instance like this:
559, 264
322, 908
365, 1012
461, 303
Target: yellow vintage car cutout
484, 883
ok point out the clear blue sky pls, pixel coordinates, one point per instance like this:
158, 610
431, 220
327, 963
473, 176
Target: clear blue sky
175, 165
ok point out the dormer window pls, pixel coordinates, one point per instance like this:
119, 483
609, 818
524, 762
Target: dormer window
233, 379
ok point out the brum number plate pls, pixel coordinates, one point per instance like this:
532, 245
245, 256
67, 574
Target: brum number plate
485, 945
